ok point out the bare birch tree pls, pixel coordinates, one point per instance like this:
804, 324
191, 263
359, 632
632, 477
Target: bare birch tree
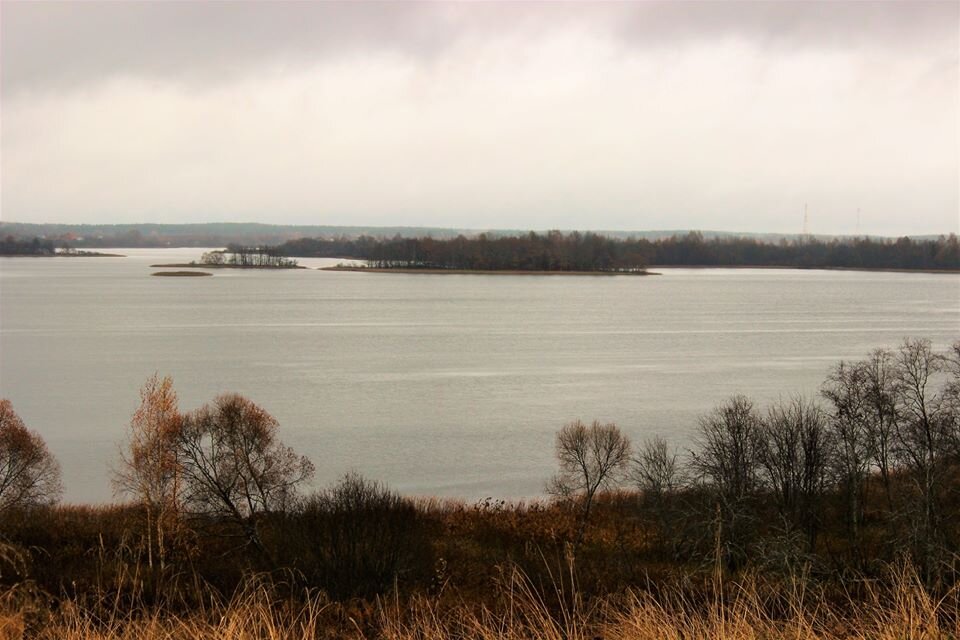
149, 469
591, 458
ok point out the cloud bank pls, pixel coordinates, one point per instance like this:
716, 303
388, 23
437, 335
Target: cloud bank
628, 116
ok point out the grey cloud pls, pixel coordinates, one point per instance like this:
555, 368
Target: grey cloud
847, 24
605, 115
71, 44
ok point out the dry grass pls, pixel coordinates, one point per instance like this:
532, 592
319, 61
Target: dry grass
902, 611
253, 613
502, 603
743, 611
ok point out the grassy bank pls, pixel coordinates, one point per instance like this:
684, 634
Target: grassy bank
428, 568
516, 608
792, 520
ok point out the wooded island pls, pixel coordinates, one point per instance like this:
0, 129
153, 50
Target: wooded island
591, 252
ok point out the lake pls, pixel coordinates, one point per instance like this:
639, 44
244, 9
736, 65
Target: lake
448, 385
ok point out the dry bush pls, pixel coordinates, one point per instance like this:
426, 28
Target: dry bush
357, 539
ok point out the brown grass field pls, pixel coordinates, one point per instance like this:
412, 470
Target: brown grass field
902, 611
89, 580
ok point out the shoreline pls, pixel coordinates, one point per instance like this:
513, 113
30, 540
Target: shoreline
798, 268
491, 272
180, 274
80, 254
632, 273
203, 265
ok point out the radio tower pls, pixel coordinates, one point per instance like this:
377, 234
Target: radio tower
806, 221
858, 222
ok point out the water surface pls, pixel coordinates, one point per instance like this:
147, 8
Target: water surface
438, 384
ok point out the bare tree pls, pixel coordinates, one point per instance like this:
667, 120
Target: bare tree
726, 459
657, 474
656, 470
794, 453
29, 474
727, 448
881, 412
234, 466
591, 458
149, 469
846, 390
951, 396
925, 439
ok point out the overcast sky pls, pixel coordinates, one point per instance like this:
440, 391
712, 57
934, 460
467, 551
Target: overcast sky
713, 115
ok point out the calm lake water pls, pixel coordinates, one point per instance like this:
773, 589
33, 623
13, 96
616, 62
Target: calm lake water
450, 385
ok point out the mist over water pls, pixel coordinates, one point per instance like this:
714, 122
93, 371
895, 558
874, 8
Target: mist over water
451, 385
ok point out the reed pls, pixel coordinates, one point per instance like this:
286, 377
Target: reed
748, 609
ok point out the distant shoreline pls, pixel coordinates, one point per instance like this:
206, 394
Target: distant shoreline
490, 272
801, 268
520, 272
204, 265
78, 254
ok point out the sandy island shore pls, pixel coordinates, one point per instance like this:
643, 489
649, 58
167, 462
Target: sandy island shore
492, 272
203, 265
181, 274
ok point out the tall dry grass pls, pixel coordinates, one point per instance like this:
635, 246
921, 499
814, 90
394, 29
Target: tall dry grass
746, 610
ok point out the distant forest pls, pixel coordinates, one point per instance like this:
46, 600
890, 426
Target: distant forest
556, 251
210, 234
11, 246
430, 248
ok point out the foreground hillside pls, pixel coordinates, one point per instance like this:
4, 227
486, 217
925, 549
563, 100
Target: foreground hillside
830, 518
483, 571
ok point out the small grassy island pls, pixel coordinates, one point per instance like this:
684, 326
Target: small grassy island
181, 274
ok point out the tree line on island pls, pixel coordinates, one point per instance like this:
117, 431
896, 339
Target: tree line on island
833, 491
236, 255
576, 252
41, 247
14, 246
556, 251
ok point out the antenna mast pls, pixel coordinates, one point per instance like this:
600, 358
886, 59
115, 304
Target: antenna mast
806, 221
